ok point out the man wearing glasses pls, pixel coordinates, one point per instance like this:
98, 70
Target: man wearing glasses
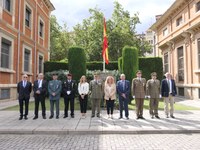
24, 88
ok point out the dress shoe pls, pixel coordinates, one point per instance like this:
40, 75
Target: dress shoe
57, 117
120, 117
92, 116
44, 117
167, 116
35, 117
137, 117
157, 117
172, 116
25, 117
98, 116
72, 116
65, 116
20, 118
152, 117
142, 117
127, 118
50, 117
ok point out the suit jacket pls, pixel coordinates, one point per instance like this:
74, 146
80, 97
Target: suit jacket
24, 92
138, 87
110, 92
165, 88
96, 89
125, 90
69, 86
42, 89
54, 86
153, 88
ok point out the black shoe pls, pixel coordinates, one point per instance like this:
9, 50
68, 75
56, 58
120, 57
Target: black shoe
20, 118
138, 118
35, 117
92, 116
50, 117
98, 116
44, 117
65, 116
120, 117
172, 116
57, 117
152, 117
157, 117
142, 117
25, 117
127, 118
72, 116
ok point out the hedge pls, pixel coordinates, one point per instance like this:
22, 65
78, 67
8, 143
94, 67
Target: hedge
149, 65
120, 64
77, 65
50, 66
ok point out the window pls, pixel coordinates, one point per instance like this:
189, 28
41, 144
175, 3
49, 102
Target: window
41, 29
7, 4
179, 21
197, 6
166, 64
40, 64
27, 60
181, 91
165, 32
198, 53
5, 53
28, 17
5, 93
180, 64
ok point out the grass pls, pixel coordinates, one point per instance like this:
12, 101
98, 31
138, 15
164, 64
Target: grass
131, 106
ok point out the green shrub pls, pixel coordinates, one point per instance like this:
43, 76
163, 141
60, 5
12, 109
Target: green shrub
50, 66
129, 62
149, 65
77, 62
98, 65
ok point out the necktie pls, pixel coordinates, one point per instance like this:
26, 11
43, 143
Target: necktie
168, 84
24, 84
123, 85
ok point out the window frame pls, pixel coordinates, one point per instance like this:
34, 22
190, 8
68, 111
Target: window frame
28, 20
180, 60
166, 62
9, 43
179, 21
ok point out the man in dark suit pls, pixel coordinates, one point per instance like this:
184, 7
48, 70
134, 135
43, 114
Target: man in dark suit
69, 92
40, 89
24, 89
168, 91
123, 90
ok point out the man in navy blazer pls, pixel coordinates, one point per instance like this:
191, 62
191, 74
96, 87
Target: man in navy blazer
40, 90
123, 90
24, 88
168, 91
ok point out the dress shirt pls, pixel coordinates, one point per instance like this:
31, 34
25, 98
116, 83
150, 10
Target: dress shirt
83, 88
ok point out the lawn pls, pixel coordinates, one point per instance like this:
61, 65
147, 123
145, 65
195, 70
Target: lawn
131, 106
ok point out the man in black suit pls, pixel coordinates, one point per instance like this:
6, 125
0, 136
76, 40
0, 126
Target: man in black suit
69, 92
24, 88
168, 91
40, 89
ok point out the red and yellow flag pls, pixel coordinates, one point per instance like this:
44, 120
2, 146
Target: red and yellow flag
105, 43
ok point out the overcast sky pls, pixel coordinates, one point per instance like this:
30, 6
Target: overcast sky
74, 11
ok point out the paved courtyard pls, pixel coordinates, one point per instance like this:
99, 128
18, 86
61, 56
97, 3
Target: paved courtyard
101, 142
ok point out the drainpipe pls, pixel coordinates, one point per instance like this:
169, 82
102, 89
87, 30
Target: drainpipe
19, 37
35, 44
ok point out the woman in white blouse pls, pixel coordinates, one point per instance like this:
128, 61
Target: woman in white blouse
83, 90
110, 95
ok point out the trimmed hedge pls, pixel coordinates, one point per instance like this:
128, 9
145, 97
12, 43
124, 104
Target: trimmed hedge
129, 62
149, 65
50, 66
77, 65
120, 64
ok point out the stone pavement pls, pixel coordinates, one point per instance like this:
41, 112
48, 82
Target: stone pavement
185, 122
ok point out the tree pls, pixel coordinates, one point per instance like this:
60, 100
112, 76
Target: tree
60, 40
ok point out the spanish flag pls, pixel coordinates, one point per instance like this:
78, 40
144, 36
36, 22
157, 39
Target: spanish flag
105, 43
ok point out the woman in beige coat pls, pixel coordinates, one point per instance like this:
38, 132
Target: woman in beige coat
110, 95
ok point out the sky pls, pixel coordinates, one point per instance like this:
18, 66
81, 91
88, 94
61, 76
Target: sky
73, 12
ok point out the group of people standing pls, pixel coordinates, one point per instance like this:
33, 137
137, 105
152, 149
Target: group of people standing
98, 90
